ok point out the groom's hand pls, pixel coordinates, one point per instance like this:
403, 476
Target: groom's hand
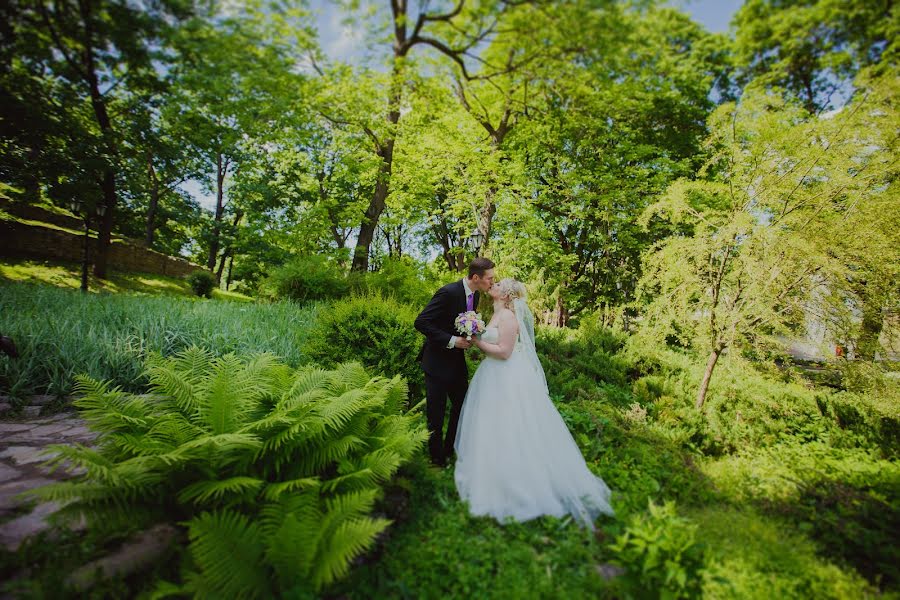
463, 343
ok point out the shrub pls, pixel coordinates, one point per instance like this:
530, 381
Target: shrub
273, 471
400, 279
374, 330
202, 282
660, 555
305, 280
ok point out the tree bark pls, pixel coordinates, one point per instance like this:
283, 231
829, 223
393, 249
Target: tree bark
229, 250
221, 167
98, 103
376, 206
561, 315
230, 272
154, 203
707, 376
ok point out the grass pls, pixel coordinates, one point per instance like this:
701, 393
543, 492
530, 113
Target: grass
793, 489
62, 332
68, 275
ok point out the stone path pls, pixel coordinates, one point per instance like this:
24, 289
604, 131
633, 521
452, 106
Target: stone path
23, 442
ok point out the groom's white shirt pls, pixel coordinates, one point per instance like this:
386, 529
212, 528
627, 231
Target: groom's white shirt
469, 292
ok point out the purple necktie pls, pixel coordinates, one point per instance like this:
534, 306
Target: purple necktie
469, 299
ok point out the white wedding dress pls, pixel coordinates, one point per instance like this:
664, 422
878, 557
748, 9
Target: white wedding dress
515, 455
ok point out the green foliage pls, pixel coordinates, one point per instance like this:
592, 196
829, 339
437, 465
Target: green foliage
202, 283
305, 280
436, 549
401, 279
275, 471
661, 555
584, 363
757, 556
61, 333
847, 499
372, 329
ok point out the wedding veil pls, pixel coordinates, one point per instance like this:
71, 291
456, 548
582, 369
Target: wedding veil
526, 335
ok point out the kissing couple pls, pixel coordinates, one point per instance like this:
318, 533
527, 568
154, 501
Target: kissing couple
515, 457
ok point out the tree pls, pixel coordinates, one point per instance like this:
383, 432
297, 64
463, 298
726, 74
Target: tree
237, 81
753, 253
812, 48
97, 45
610, 136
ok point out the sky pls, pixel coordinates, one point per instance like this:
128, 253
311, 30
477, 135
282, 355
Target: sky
338, 42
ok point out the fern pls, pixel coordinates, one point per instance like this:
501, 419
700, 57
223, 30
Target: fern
349, 539
275, 471
227, 547
203, 492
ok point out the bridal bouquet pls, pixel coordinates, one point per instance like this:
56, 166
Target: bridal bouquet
469, 323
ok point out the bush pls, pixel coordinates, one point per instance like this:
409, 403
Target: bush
400, 279
306, 279
273, 471
202, 282
582, 367
374, 330
660, 555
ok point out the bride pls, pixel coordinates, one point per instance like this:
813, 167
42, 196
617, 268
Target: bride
515, 456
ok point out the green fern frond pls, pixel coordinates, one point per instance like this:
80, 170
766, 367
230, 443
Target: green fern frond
360, 479
349, 505
347, 376
349, 539
337, 411
108, 409
307, 380
317, 458
224, 448
167, 379
228, 549
202, 492
274, 491
174, 429
193, 363
398, 392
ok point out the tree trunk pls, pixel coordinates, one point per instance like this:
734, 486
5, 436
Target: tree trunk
385, 149
486, 217
707, 375
154, 203
377, 204
561, 315
230, 271
100, 112
221, 167
32, 190
104, 234
221, 267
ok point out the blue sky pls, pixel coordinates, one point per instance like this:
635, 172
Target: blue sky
338, 42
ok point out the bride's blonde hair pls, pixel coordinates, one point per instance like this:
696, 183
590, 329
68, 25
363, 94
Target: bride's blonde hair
511, 289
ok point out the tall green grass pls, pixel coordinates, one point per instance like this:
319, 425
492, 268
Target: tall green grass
62, 333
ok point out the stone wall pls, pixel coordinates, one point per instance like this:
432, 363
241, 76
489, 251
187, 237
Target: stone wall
37, 213
36, 241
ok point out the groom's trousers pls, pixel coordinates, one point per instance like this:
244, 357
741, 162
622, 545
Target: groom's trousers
437, 391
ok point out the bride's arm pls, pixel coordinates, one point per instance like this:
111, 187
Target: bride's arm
509, 328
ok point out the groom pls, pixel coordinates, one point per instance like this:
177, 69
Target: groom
442, 357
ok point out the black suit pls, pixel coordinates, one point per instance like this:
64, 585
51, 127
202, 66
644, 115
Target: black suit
445, 368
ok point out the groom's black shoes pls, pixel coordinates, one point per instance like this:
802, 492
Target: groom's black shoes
7, 346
